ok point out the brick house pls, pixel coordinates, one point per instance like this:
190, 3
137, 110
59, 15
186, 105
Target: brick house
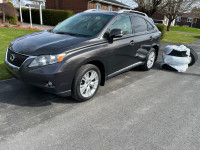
189, 20
162, 17
82, 5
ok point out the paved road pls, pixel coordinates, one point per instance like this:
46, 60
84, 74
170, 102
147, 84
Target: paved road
157, 110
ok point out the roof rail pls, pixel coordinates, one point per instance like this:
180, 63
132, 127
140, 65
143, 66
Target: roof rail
90, 10
132, 11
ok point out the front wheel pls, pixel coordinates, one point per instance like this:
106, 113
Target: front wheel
150, 60
86, 82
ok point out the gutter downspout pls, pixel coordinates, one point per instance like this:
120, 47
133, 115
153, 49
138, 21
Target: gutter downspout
89, 4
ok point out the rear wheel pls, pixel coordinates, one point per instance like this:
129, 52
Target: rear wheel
150, 60
86, 82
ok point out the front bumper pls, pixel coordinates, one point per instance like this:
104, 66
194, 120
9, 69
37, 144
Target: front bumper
41, 76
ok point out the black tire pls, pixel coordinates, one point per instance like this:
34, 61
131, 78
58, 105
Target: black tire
145, 67
194, 57
76, 93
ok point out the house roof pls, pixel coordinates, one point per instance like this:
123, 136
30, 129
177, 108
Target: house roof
114, 2
190, 15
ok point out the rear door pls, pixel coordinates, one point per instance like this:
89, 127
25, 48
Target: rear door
142, 37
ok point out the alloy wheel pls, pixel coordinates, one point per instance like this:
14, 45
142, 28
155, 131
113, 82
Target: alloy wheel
151, 59
89, 83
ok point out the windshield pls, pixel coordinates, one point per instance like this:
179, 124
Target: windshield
83, 24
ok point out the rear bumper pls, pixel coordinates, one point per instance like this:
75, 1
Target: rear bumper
41, 76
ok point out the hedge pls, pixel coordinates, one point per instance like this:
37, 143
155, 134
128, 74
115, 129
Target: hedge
50, 16
162, 28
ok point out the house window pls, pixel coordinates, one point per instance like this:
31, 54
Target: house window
119, 8
109, 8
189, 19
178, 19
98, 6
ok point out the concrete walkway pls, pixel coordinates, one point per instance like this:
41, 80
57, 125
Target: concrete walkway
42, 27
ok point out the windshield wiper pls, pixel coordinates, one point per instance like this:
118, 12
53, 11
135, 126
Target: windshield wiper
72, 34
61, 32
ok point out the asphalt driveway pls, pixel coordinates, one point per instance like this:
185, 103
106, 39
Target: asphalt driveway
157, 110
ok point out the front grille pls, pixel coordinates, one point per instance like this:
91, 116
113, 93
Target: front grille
15, 58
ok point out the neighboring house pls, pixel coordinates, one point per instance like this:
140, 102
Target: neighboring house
82, 5
162, 18
2, 1
189, 20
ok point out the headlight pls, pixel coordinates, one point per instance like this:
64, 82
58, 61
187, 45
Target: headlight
46, 60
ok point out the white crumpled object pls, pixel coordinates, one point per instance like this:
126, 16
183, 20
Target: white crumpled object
181, 48
178, 63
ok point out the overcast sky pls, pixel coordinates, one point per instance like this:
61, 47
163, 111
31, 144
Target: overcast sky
129, 3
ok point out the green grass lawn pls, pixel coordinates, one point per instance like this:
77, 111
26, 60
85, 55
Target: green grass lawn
6, 36
185, 29
180, 38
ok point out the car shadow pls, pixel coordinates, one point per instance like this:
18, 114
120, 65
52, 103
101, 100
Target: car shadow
15, 92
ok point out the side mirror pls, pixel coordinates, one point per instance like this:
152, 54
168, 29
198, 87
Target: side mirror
115, 33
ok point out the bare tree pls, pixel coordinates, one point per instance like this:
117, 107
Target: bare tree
196, 10
151, 6
176, 7
7, 10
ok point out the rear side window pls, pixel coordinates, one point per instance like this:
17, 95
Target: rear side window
123, 23
139, 25
150, 27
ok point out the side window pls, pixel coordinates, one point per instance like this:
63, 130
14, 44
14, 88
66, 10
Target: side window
150, 27
123, 23
139, 25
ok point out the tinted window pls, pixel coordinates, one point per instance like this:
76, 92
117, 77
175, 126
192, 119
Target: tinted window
83, 24
139, 25
123, 23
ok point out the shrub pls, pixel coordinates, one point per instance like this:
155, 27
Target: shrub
8, 11
10, 3
162, 29
50, 16
12, 19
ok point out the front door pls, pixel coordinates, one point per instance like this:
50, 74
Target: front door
121, 52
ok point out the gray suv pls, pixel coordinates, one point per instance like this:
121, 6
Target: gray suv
84, 51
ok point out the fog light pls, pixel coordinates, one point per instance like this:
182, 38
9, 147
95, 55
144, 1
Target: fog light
49, 83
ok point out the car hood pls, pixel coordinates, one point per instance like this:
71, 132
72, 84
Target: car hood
44, 43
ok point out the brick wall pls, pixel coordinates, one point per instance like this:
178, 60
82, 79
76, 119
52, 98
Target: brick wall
158, 16
103, 6
75, 5
195, 22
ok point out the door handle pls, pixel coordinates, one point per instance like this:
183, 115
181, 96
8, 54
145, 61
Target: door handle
132, 42
151, 38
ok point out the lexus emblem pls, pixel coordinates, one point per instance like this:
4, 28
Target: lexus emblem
12, 57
